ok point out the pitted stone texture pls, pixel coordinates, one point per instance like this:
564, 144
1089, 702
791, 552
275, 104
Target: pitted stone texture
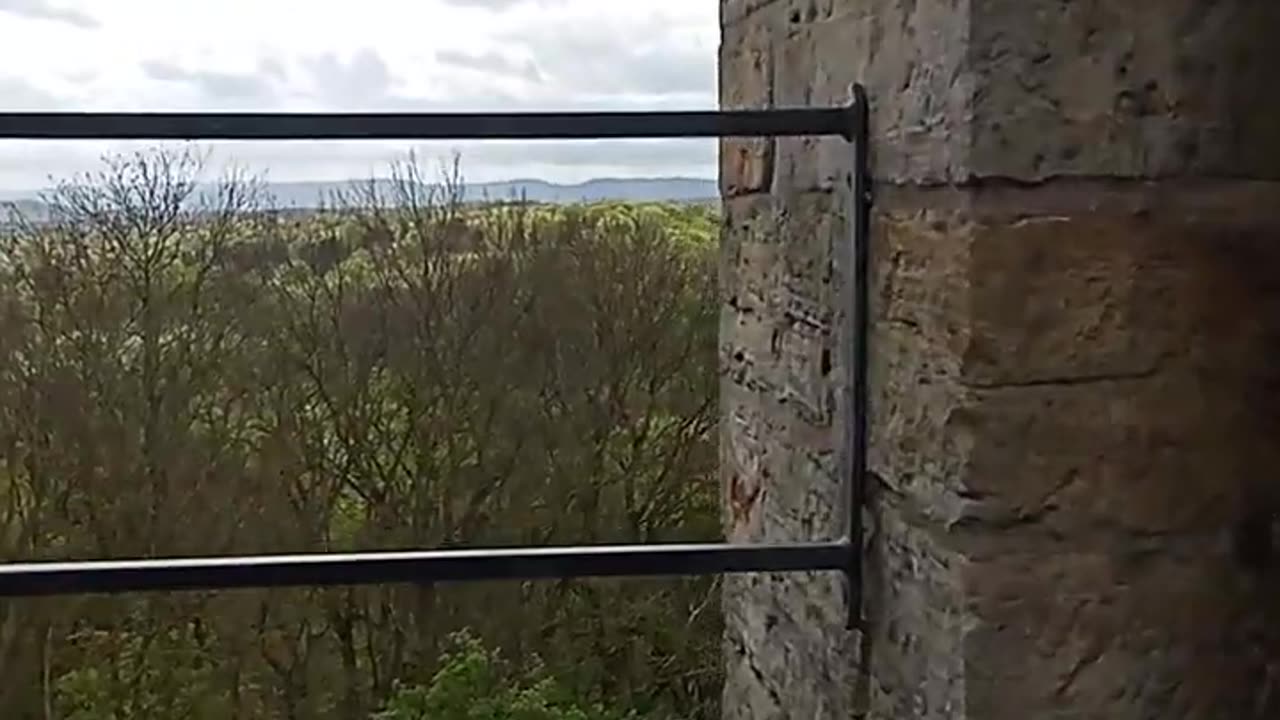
908, 50
1089, 389
746, 82
780, 255
783, 659
787, 646
1104, 409
1074, 399
1025, 89
1057, 299
1119, 362
760, 442
796, 11
917, 600
1172, 630
920, 325
1132, 89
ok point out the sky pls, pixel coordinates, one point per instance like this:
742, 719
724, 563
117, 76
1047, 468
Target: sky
405, 55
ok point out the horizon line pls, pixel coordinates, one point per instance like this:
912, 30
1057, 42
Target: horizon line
15, 194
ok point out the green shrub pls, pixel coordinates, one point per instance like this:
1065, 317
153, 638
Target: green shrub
474, 683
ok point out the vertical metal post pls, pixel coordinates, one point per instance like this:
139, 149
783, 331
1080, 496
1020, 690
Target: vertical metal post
857, 282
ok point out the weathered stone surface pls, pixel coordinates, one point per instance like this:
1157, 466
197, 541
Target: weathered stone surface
782, 658
746, 74
1066, 392
788, 643
909, 54
1132, 89
1026, 89
916, 595
1174, 631
780, 256
1074, 399
1065, 353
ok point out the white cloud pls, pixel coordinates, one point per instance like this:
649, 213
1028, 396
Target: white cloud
436, 55
43, 10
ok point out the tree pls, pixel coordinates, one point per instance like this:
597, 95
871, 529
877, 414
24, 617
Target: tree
186, 371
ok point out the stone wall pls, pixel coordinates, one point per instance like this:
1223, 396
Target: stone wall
1076, 324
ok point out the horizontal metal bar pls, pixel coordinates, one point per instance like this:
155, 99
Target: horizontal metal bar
421, 126
324, 569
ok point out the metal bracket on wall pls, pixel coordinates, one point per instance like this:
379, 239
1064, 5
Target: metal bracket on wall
857, 282
321, 569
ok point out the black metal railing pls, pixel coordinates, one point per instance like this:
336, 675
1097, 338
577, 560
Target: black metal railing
424, 126
169, 574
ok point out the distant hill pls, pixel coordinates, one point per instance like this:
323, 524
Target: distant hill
304, 195
29, 208
309, 194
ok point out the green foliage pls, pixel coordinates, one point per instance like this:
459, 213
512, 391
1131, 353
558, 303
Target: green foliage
474, 683
389, 373
159, 673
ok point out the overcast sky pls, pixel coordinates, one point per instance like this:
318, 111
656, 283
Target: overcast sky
429, 55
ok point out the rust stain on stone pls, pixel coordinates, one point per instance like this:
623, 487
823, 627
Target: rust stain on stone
742, 500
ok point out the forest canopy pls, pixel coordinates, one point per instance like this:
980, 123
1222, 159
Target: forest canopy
188, 373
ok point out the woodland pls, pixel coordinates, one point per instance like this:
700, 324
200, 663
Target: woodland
187, 372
